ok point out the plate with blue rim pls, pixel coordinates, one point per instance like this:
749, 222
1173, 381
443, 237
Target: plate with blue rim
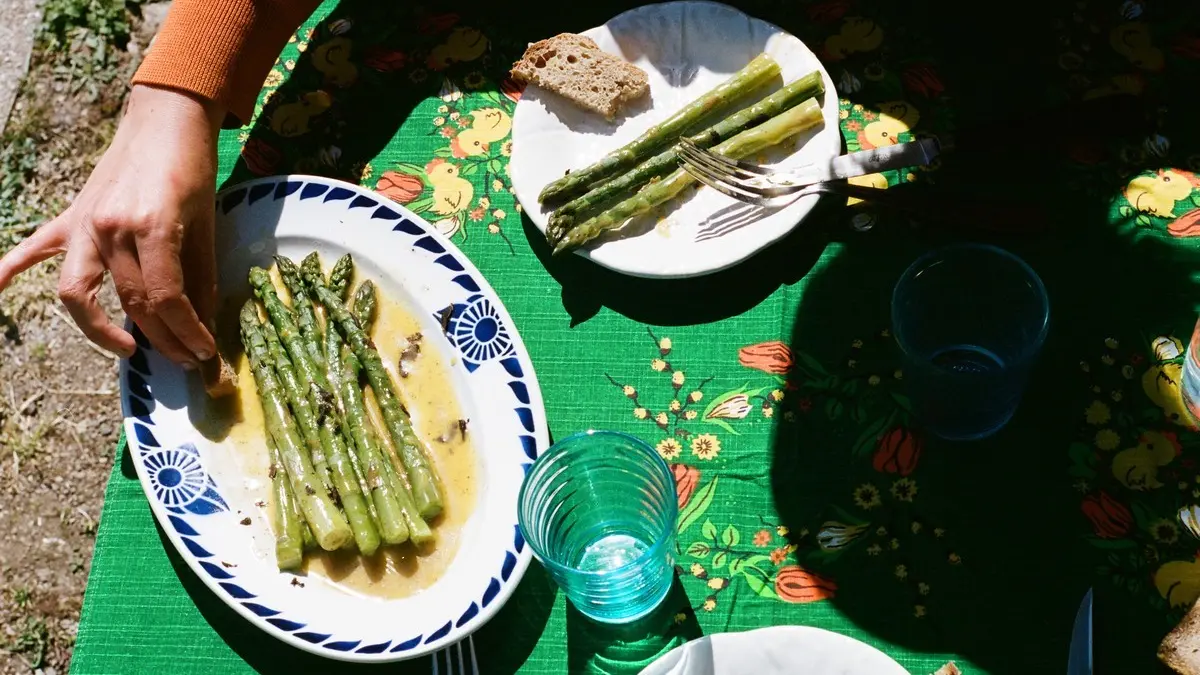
209, 503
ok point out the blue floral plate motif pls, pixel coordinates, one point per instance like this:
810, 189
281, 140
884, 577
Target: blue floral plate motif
198, 491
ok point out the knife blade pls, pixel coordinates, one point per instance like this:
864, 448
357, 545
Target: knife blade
1079, 658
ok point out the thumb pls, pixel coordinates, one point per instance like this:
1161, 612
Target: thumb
46, 242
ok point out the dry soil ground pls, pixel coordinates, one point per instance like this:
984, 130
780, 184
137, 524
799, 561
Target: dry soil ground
59, 411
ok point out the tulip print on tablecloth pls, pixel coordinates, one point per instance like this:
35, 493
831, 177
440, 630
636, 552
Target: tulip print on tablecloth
1135, 463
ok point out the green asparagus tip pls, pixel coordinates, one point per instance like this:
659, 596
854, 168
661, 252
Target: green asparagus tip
259, 276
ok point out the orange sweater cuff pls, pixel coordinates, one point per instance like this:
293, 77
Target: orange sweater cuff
221, 49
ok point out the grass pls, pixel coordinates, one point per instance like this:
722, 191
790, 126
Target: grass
81, 43
32, 641
20, 597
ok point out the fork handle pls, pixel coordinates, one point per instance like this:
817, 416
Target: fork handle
957, 211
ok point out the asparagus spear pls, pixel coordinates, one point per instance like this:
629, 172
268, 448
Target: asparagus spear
426, 485
354, 504
565, 217
303, 409
772, 132
281, 318
306, 536
287, 522
365, 305
393, 467
328, 525
756, 73
339, 276
398, 518
302, 309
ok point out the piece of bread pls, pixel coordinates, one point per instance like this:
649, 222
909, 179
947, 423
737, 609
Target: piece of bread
1180, 649
574, 67
220, 379
948, 669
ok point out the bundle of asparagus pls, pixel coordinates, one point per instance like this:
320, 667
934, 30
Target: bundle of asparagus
602, 201
333, 483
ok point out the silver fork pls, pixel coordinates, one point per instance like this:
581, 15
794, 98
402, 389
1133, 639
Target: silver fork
753, 183
960, 211
456, 655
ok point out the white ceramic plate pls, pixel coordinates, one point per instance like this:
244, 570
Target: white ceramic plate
199, 493
686, 48
779, 650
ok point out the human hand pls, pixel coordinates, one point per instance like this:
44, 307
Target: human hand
150, 198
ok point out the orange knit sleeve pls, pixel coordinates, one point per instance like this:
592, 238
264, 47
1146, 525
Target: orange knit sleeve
222, 49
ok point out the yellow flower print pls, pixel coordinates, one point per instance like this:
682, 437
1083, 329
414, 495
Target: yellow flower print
904, 489
1107, 439
915, 527
857, 344
1112, 343
497, 186
866, 496
629, 391
717, 583
894, 544
675, 406
1097, 413
1107, 360
852, 363
1165, 532
918, 611
290, 65
955, 559
881, 531
658, 365
782, 530
690, 415
274, 79
695, 396
873, 380
901, 572
680, 618
1083, 365
856, 35
697, 571
661, 419
843, 114
439, 121
710, 604
641, 413
493, 228
1127, 372
899, 374
777, 395
677, 378
874, 549
669, 448
302, 46
706, 446
1179, 582
665, 344
443, 109
484, 202
923, 588
1132, 40
499, 214
1116, 396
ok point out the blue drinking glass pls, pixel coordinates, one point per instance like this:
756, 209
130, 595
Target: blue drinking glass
970, 320
599, 509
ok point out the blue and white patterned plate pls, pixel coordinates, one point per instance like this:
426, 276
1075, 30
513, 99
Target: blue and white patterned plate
199, 494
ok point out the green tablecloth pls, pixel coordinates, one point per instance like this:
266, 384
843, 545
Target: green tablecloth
809, 496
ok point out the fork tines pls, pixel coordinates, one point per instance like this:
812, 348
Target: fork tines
715, 172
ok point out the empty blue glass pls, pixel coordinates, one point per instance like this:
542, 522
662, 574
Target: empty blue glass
970, 320
599, 509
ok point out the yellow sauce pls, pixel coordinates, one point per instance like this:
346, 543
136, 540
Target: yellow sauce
428, 393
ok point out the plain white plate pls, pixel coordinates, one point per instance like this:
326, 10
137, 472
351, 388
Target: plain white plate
686, 48
199, 490
779, 650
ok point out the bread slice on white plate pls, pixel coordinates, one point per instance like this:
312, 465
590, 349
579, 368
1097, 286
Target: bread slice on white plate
574, 67
1180, 649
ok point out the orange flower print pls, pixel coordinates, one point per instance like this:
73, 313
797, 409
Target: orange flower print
779, 555
770, 357
853, 125
476, 214
401, 187
686, 478
798, 585
762, 538
448, 132
1187, 225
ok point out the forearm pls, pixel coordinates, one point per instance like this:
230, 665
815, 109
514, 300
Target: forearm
221, 50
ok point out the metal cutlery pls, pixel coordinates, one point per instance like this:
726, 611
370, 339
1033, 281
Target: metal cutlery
755, 184
1079, 659
456, 659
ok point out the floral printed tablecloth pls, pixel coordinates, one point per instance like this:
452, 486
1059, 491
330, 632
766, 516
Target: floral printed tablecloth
808, 494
